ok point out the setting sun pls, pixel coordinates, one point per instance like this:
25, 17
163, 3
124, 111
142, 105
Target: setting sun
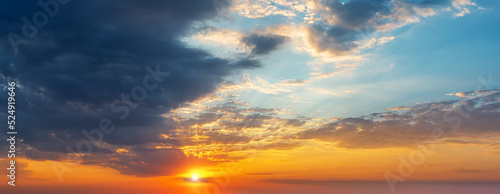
194, 178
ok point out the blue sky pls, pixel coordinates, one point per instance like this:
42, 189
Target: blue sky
440, 54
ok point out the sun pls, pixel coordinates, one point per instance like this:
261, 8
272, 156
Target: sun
194, 178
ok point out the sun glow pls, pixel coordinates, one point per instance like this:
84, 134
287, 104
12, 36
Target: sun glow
194, 178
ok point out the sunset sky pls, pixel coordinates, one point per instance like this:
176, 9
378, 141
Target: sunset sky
252, 96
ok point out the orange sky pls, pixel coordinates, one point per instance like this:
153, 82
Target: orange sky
270, 168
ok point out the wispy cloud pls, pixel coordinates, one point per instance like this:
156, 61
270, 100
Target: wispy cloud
461, 169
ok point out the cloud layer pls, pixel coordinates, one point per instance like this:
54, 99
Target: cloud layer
343, 25
92, 53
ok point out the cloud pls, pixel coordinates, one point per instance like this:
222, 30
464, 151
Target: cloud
334, 39
153, 162
260, 129
221, 132
399, 108
262, 44
281, 146
463, 7
300, 181
83, 60
264, 8
190, 180
377, 42
236, 42
261, 85
383, 40
461, 169
416, 123
219, 36
460, 94
233, 138
295, 122
261, 173
336, 32
341, 26
225, 130
294, 82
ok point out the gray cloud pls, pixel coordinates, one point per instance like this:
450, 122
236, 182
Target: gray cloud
344, 23
263, 44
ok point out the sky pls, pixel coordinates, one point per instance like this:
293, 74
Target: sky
252, 96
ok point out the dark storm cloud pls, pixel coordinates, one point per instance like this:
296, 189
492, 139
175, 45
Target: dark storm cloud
93, 52
263, 44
